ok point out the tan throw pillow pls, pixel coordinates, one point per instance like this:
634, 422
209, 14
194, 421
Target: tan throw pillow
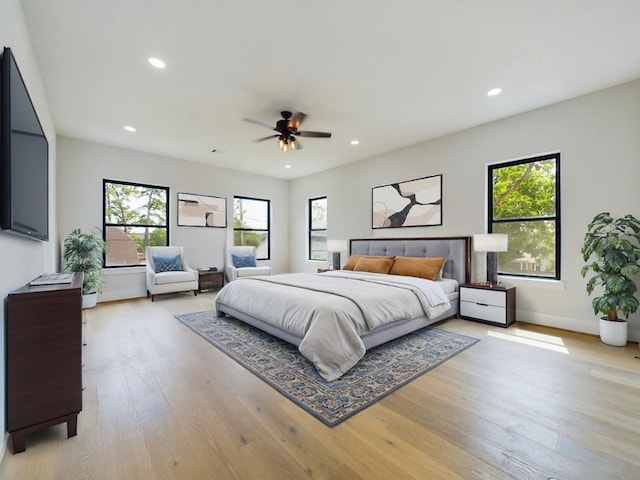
353, 259
373, 265
428, 268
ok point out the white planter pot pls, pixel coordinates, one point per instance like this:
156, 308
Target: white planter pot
613, 333
89, 300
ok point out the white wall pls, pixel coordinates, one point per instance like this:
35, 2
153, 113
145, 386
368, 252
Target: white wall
598, 138
83, 165
22, 259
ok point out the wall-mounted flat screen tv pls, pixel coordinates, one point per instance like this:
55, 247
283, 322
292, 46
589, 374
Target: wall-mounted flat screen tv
24, 158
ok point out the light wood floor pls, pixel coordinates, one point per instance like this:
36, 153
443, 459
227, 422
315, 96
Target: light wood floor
161, 403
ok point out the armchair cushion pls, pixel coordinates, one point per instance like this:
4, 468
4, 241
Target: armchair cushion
167, 264
243, 261
166, 278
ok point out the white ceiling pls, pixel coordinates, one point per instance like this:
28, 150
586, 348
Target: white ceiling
388, 73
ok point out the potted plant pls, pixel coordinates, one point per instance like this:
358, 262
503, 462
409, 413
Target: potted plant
82, 252
614, 243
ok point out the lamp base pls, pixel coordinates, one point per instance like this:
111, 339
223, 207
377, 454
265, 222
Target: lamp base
336, 261
492, 268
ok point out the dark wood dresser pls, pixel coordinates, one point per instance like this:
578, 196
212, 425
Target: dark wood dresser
43, 359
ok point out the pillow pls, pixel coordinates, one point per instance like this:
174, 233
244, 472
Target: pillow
240, 261
428, 268
167, 264
373, 265
353, 259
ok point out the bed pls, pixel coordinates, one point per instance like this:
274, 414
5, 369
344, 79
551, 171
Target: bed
335, 316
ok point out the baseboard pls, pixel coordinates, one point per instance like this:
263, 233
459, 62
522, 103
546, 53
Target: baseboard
559, 321
3, 447
582, 325
121, 295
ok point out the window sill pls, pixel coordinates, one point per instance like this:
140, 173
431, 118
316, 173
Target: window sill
108, 271
542, 283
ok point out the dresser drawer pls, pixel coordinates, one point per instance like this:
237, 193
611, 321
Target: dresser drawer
488, 297
489, 313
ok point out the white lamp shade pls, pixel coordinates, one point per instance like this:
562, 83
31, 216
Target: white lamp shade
491, 242
337, 246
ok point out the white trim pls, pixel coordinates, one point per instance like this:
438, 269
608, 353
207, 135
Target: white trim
3, 447
583, 325
529, 282
138, 269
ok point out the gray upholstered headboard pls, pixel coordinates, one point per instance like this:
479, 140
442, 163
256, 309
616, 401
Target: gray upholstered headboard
457, 251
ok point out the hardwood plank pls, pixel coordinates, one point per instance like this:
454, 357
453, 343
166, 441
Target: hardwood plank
160, 402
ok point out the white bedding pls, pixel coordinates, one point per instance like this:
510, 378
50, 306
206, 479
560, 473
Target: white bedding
330, 310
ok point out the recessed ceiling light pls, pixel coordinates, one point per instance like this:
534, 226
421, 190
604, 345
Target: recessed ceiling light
494, 91
287, 166
355, 142
129, 128
156, 62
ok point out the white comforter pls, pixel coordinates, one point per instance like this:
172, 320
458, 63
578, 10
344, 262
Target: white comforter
329, 311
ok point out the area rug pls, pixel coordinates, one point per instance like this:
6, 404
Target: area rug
382, 370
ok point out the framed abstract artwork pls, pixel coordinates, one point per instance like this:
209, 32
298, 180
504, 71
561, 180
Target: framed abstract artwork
201, 211
414, 203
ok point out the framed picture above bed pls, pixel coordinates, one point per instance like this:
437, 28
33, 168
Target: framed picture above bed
201, 211
413, 203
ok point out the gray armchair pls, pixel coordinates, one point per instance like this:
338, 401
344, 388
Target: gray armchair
234, 272
165, 276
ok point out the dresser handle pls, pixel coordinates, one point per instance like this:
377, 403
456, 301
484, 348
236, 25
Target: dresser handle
483, 304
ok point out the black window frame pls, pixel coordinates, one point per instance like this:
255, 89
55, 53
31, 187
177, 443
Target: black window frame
106, 224
313, 230
556, 218
268, 229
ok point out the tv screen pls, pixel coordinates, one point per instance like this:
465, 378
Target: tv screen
24, 160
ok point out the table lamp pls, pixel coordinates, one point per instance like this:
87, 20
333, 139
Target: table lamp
491, 243
335, 247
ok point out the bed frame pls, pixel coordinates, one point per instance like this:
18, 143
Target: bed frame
457, 251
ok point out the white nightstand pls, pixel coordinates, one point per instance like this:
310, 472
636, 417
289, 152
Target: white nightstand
492, 304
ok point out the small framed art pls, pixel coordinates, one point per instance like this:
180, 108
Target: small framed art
201, 211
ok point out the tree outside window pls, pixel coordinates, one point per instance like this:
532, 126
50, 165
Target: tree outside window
251, 224
318, 228
524, 202
135, 216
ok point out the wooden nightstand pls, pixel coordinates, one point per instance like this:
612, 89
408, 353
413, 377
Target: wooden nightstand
209, 280
491, 304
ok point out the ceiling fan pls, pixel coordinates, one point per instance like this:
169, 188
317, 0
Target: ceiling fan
287, 129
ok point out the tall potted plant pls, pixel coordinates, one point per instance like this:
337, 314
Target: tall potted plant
82, 252
614, 245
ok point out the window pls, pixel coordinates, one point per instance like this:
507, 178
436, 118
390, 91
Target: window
524, 202
251, 224
135, 216
318, 228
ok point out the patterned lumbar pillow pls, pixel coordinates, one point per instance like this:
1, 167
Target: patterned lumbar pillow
167, 264
240, 261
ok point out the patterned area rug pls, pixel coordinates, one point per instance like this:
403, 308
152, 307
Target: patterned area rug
382, 370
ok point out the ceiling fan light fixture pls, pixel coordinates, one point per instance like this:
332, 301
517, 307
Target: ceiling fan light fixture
293, 144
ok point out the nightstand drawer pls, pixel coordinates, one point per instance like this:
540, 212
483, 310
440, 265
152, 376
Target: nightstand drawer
488, 297
489, 313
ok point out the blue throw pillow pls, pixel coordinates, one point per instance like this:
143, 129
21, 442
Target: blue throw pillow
243, 261
167, 264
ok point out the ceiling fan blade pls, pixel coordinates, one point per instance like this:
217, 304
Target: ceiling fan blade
256, 122
266, 138
314, 134
297, 120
